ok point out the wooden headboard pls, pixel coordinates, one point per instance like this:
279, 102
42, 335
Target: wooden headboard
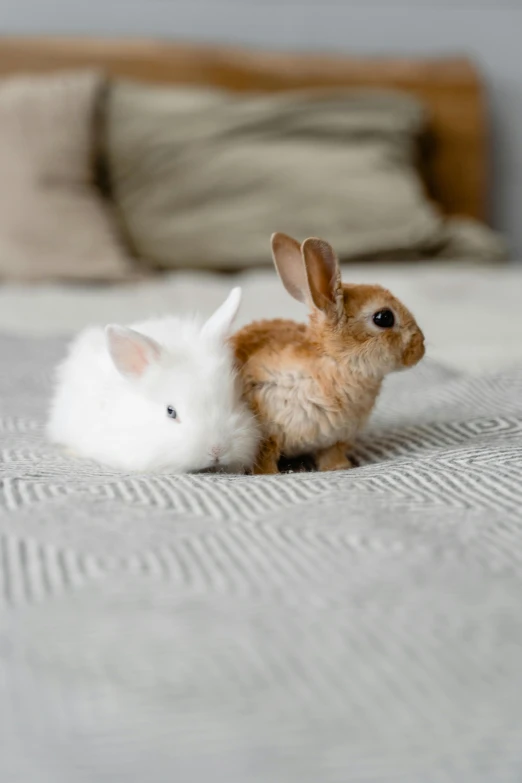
456, 166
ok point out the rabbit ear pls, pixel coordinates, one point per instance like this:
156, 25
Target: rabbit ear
131, 352
323, 275
288, 261
220, 323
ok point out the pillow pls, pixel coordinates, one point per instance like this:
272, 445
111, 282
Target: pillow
53, 222
202, 178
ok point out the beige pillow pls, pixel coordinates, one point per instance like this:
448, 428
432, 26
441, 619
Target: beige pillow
202, 178
53, 222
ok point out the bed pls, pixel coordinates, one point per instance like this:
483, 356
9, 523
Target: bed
357, 626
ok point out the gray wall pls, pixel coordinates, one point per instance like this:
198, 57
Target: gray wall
488, 30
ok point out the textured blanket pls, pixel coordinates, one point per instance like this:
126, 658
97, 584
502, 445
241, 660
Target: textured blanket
309, 628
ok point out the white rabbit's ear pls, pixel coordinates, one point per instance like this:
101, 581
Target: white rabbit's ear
219, 324
132, 353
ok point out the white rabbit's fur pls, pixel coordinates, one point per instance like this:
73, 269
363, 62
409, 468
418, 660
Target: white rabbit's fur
114, 387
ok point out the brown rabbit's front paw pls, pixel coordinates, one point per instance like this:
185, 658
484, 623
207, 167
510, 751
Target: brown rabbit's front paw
334, 458
265, 469
267, 458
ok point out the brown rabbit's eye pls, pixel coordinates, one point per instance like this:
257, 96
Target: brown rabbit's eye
385, 319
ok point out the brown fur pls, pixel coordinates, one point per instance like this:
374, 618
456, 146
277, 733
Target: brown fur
314, 386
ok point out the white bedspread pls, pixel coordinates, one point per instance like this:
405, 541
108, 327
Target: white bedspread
472, 316
306, 628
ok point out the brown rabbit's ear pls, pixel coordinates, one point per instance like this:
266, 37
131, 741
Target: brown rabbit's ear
288, 260
323, 275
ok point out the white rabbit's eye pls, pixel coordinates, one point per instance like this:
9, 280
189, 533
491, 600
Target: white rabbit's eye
384, 319
171, 412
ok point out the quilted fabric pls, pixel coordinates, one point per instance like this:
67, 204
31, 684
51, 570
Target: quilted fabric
358, 626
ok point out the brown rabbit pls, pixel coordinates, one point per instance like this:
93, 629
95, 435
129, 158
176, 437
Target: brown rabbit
313, 386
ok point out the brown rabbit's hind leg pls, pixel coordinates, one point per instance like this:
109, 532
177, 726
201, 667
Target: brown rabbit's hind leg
334, 458
267, 457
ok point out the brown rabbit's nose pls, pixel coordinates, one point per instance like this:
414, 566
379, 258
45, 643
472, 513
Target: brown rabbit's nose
414, 351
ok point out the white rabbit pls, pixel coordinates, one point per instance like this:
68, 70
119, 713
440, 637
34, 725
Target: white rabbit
160, 396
